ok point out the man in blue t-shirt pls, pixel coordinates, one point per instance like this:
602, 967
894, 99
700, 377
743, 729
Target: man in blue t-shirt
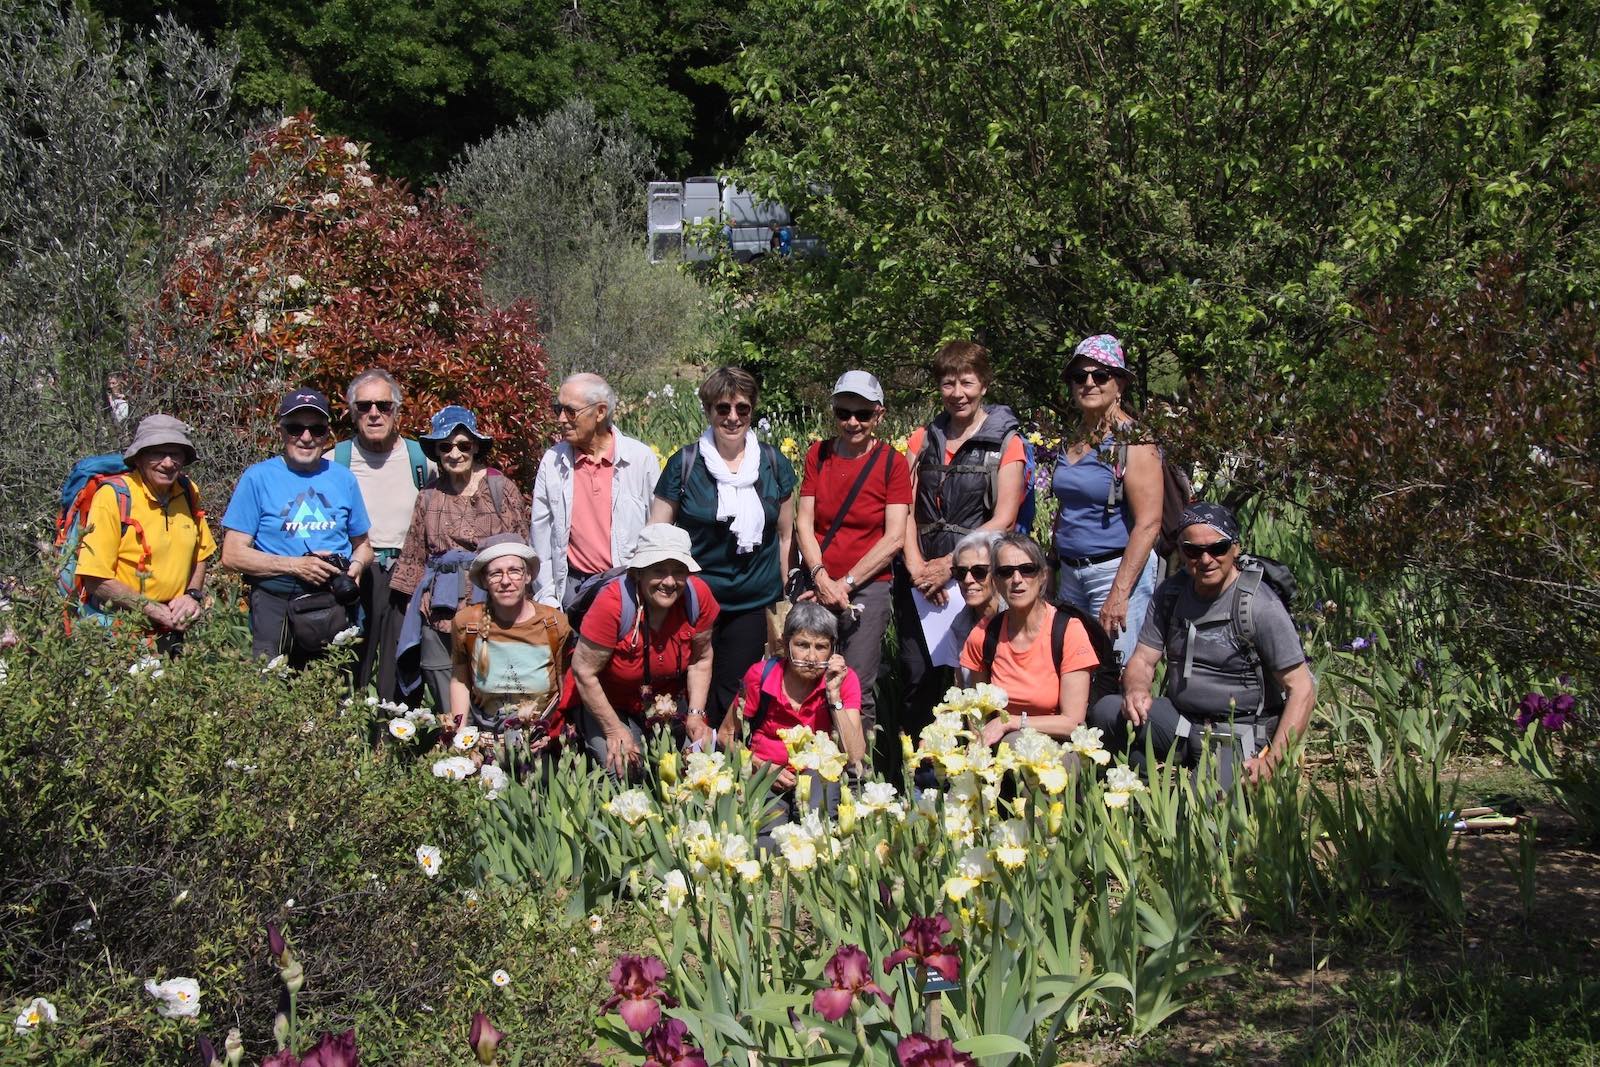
288, 517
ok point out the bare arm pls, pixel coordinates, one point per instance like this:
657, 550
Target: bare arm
728, 732
1137, 677
1142, 484
239, 553
1007, 498
588, 662
460, 696
1302, 691
663, 510
785, 534
698, 685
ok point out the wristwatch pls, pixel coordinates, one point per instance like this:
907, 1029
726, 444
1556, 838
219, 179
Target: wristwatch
849, 581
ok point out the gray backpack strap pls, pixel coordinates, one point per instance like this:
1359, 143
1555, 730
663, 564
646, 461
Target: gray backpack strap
1119, 467
1245, 589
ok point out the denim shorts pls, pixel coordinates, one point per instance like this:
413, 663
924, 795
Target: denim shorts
1086, 589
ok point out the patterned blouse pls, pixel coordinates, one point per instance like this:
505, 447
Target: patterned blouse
442, 520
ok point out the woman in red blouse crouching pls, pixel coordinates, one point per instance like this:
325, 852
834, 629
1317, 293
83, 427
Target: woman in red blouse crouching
644, 646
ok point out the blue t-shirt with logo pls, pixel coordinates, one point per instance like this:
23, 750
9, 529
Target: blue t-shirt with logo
289, 512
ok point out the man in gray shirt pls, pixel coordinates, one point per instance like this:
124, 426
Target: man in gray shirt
1236, 672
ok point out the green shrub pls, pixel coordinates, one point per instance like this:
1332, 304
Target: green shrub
160, 814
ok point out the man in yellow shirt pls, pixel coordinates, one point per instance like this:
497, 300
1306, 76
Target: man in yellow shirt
156, 563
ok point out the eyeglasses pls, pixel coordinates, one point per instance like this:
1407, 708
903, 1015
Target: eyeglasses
1082, 375
859, 414
979, 572
559, 409
385, 407
1216, 549
297, 430
465, 447
725, 409
510, 574
1006, 570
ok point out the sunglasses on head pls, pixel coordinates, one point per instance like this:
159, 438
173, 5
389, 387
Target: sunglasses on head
979, 572
465, 447
859, 414
1216, 549
1006, 570
384, 406
724, 408
559, 409
300, 429
1083, 374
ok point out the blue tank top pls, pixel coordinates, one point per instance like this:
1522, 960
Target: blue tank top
1083, 525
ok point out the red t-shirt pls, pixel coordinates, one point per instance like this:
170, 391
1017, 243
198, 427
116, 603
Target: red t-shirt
813, 711
828, 483
669, 646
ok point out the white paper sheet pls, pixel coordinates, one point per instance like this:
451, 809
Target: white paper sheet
937, 623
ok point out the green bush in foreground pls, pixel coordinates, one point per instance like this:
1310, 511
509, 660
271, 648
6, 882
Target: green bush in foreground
160, 812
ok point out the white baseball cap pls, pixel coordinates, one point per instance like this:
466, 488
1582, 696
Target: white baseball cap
861, 384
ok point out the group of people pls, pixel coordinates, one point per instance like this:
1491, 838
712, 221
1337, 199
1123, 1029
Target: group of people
620, 594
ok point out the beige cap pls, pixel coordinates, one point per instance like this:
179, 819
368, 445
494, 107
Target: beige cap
159, 430
659, 541
497, 546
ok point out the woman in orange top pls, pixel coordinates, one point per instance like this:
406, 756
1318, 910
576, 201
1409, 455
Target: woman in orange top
1044, 666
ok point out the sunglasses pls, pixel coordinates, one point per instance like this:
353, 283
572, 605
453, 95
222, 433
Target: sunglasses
386, 407
725, 409
297, 430
1216, 549
1082, 375
466, 448
979, 572
1006, 570
859, 414
559, 409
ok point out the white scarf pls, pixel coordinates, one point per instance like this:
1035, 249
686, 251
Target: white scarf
737, 498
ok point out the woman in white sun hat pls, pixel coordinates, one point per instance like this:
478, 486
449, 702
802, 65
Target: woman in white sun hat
644, 652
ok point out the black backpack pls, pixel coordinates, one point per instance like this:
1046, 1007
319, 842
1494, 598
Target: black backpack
1253, 572
1107, 676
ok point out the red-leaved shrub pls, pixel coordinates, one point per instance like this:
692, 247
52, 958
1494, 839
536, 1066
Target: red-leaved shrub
319, 269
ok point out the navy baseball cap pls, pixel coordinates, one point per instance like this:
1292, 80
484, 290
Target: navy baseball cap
311, 399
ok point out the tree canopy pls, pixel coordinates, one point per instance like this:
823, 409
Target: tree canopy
419, 81
1221, 184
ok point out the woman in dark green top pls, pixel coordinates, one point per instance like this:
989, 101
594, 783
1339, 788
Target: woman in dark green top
735, 497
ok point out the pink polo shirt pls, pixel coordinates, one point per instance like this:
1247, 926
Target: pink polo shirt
589, 540
766, 745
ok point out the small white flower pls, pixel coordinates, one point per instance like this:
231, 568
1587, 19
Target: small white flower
328, 199
1124, 780
493, 779
411, 209
666, 390
402, 729
39, 1012
372, 701
150, 665
352, 149
277, 664
305, 318
285, 122
455, 768
296, 281
466, 739
423, 718
674, 891
433, 307
179, 997
500, 978
428, 857
596, 924
82, 926
180, 898
364, 181
289, 903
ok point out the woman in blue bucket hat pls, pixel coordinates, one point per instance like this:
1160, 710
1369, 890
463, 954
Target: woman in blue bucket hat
466, 504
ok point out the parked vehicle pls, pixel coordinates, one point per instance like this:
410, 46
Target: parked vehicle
746, 227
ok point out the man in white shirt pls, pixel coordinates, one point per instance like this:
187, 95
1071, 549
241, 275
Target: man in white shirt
390, 470
592, 494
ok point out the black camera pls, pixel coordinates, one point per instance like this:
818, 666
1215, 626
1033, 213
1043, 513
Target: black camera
341, 585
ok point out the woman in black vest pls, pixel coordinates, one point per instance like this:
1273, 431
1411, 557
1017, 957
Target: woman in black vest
966, 475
